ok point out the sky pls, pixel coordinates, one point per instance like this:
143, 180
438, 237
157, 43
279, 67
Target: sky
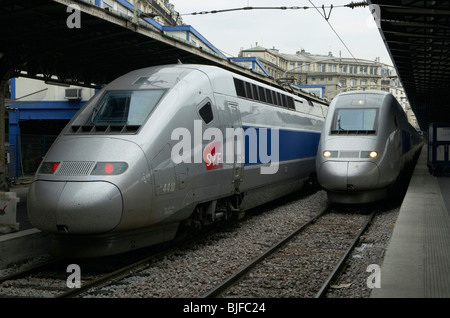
288, 31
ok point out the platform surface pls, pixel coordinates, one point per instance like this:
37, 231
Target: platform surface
417, 261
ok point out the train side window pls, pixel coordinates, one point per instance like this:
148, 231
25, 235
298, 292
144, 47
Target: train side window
283, 100
262, 95
206, 113
290, 103
240, 87
255, 92
279, 103
269, 96
248, 87
275, 98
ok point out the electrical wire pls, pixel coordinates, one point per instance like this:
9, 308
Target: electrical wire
352, 5
246, 9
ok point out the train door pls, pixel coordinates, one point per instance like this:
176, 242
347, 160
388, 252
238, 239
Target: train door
238, 144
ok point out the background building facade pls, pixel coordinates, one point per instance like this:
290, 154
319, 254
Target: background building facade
328, 75
334, 74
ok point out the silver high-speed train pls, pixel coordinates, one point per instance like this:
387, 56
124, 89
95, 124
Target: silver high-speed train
167, 146
366, 146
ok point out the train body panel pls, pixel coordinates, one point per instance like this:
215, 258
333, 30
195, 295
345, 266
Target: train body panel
170, 145
365, 147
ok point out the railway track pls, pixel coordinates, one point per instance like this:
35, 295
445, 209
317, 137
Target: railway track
57, 278
285, 260
213, 261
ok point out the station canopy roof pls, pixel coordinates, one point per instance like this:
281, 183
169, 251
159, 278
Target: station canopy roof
417, 35
37, 42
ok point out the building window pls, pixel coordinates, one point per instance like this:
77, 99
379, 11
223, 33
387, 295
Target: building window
331, 67
321, 67
343, 82
385, 72
343, 68
352, 82
363, 82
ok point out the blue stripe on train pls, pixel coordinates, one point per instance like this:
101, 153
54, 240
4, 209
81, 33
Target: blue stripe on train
291, 144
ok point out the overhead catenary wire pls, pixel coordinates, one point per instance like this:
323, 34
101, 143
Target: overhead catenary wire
327, 18
246, 9
350, 5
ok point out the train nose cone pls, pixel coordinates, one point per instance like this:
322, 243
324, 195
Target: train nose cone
74, 207
349, 175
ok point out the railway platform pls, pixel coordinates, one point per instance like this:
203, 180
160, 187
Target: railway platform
417, 260
15, 247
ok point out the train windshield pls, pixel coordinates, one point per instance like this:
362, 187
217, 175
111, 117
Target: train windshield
355, 121
131, 108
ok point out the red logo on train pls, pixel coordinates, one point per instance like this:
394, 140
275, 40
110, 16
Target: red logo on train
213, 155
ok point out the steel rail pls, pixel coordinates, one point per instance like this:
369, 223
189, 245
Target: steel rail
338, 269
232, 279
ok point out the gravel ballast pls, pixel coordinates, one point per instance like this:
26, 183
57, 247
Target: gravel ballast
191, 271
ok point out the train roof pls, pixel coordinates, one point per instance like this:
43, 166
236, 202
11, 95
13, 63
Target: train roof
375, 92
164, 76
167, 76
366, 98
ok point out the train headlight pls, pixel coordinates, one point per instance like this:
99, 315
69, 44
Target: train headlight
330, 154
109, 168
369, 154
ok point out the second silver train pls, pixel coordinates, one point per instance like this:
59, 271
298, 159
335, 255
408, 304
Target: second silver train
365, 147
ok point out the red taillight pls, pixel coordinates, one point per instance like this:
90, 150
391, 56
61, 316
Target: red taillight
55, 166
49, 167
109, 168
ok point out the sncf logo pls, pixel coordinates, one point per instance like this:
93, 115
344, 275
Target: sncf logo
212, 155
